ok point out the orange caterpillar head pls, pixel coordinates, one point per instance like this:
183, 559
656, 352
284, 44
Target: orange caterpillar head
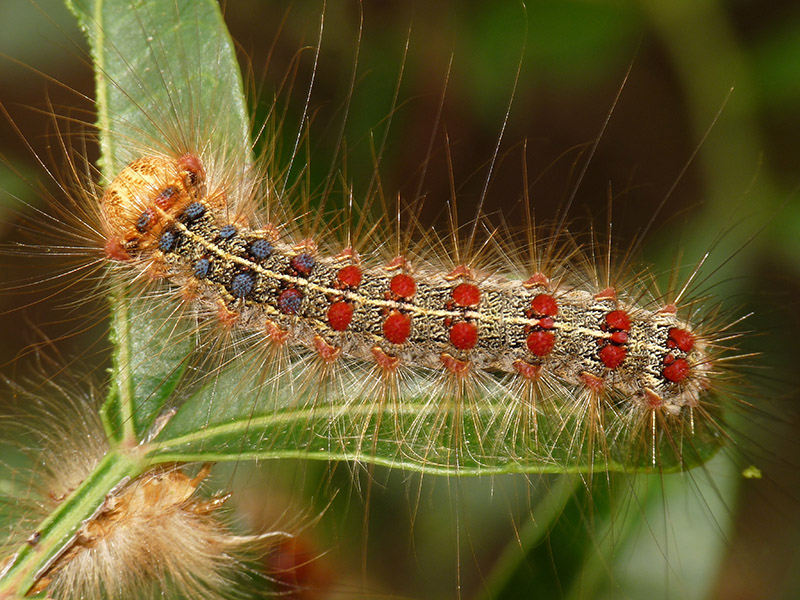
146, 195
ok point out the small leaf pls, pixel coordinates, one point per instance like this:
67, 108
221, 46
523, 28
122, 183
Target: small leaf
166, 74
151, 349
167, 81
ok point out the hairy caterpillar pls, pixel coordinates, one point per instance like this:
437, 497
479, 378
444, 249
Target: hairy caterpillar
628, 447
598, 348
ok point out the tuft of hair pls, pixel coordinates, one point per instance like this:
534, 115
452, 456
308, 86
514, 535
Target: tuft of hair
153, 536
51, 439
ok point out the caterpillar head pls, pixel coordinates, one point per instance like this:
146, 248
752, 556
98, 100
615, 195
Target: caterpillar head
148, 193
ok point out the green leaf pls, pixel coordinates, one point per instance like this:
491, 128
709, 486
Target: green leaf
151, 349
166, 77
167, 81
251, 412
160, 67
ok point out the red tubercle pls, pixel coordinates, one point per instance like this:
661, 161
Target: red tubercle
677, 371
593, 382
349, 255
608, 293
459, 272
326, 351
225, 315
397, 327
464, 335
540, 343
339, 315
527, 370
466, 295
653, 400
612, 356
540, 340
349, 276
192, 164
668, 309
386, 362
276, 334
403, 285
115, 250
681, 339
537, 280
305, 246
544, 305
618, 319
455, 366
398, 262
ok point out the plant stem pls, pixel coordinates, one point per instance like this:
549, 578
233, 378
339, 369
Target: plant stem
58, 530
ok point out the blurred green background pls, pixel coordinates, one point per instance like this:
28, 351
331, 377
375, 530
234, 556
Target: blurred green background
689, 62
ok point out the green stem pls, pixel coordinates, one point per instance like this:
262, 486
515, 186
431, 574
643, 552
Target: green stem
54, 535
117, 412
